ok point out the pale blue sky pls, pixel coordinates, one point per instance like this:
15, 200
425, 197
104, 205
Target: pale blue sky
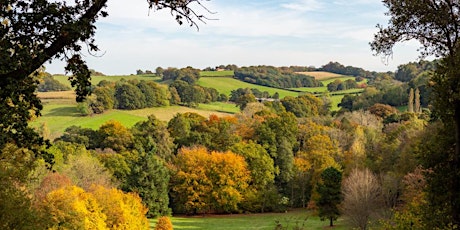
246, 32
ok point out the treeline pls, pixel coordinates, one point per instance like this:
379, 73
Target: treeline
335, 67
275, 77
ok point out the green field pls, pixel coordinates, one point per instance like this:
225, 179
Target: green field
226, 84
225, 73
266, 221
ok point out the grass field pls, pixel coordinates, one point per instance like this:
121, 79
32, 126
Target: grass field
225, 73
266, 221
226, 84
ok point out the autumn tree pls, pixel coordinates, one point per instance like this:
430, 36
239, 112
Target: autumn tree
115, 136
435, 25
124, 211
206, 182
263, 172
330, 193
361, 197
72, 207
16, 211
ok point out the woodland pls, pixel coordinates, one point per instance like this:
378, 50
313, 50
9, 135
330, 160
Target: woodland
388, 158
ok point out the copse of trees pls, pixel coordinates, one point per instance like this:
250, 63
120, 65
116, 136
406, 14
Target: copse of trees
338, 85
48, 84
188, 74
275, 77
335, 67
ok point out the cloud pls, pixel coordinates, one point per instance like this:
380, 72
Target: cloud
303, 5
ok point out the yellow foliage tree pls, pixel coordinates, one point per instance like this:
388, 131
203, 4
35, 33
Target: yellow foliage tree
205, 182
71, 207
164, 223
124, 211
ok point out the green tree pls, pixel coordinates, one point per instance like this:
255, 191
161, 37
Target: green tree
128, 96
149, 178
152, 136
330, 195
434, 24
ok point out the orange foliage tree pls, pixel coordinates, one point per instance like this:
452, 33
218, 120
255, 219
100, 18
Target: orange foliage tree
208, 181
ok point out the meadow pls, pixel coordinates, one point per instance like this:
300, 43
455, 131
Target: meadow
265, 221
226, 84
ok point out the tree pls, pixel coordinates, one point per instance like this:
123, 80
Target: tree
152, 136
34, 32
410, 105
330, 194
124, 211
417, 108
149, 178
71, 207
361, 193
208, 181
435, 25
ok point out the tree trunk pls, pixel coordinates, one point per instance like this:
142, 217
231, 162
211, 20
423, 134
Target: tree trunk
331, 222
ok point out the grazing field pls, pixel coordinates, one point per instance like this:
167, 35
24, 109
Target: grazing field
266, 221
225, 73
226, 84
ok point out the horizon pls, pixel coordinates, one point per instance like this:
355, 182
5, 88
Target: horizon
245, 33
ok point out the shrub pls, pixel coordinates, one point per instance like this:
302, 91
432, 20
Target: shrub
164, 223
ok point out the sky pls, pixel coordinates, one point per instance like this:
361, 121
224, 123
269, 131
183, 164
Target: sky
244, 33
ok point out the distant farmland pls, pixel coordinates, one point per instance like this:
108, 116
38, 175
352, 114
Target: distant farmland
226, 84
321, 75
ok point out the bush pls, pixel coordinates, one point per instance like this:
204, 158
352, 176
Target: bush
164, 223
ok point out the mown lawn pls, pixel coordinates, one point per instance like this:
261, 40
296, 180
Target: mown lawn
266, 221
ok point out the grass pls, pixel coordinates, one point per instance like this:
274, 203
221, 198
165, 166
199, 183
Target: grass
220, 107
266, 221
224, 73
226, 84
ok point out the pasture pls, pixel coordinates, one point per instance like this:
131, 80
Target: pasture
224, 73
226, 84
264, 221
321, 75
